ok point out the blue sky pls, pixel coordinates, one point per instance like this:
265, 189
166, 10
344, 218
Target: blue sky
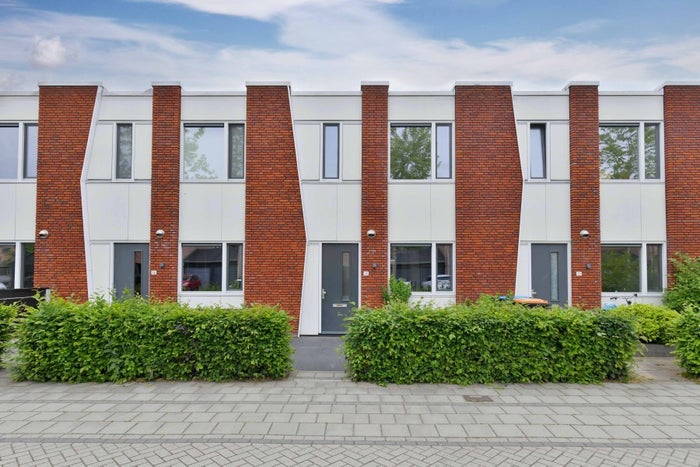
321, 45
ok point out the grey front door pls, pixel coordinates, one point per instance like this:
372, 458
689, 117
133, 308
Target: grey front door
339, 285
549, 273
131, 269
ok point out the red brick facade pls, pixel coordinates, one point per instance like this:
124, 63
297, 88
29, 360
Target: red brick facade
165, 191
584, 195
375, 175
488, 191
65, 118
682, 167
275, 235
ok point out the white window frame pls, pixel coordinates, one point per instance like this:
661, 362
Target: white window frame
433, 267
218, 124
547, 151
224, 269
433, 151
340, 152
18, 261
21, 136
640, 149
642, 268
115, 151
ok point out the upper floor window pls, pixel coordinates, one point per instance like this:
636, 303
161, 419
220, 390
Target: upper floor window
331, 150
213, 151
427, 267
125, 150
18, 142
538, 150
632, 268
421, 151
630, 151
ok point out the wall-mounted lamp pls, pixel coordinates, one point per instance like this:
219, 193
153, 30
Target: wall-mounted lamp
43, 233
160, 233
584, 233
371, 233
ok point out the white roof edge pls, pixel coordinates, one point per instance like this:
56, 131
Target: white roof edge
145, 92
75, 84
677, 83
326, 93
374, 83
166, 83
19, 93
540, 93
268, 83
212, 93
581, 83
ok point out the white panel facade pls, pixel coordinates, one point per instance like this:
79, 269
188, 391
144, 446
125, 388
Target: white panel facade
631, 108
523, 271
521, 130
8, 211
142, 150
620, 212
308, 145
139, 212
310, 318
408, 108
213, 108
559, 151
538, 107
18, 108
326, 107
349, 212
126, 108
320, 201
558, 204
351, 151
102, 260
442, 212
201, 211
101, 156
25, 203
653, 211
108, 210
409, 212
212, 299
233, 216
545, 213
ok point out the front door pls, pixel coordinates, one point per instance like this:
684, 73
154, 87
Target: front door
549, 273
339, 282
131, 269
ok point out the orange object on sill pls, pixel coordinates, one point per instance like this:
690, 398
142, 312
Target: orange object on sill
531, 301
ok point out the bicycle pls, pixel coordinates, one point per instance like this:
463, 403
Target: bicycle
614, 304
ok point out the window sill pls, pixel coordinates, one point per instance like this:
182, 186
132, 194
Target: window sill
439, 181
213, 181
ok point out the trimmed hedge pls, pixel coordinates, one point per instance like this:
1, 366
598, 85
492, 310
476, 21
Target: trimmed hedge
654, 324
134, 339
8, 313
687, 340
487, 342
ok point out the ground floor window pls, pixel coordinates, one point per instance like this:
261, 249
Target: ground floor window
208, 266
16, 265
632, 268
427, 267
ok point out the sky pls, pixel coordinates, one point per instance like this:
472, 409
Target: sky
334, 45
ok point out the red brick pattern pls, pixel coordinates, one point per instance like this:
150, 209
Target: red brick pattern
275, 236
682, 167
65, 118
165, 191
488, 191
584, 195
375, 175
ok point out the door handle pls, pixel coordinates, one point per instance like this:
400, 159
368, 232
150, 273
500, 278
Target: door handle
323, 294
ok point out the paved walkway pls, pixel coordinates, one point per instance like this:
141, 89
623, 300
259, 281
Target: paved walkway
321, 418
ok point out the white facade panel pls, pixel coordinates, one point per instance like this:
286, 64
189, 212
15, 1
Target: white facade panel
631, 108
25, 205
108, 210
521, 130
558, 203
349, 212
102, 260
653, 211
442, 212
212, 299
523, 271
126, 108
351, 154
213, 108
203, 210
100, 163
142, 151
545, 213
620, 212
541, 107
233, 222
19, 108
310, 318
8, 211
327, 108
410, 212
559, 151
320, 201
435, 300
139, 212
421, 108
308, 144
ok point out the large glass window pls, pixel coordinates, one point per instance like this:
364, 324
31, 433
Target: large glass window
7, 266
9, 141
538, 153
125, 147
421, 151
630, 151
236, 150
622, 271
31, 143
331, 150
202, 267
213, 152
415, 264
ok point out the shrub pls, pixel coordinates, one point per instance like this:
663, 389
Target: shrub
653, 323
686, 285
398, 291
687, 340
487, 342
8, 313
133, 339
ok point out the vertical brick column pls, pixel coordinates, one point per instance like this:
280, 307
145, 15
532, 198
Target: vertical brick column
165, 191
375, 178
488, 190
65, 118
275, 235
585, 195
682, 167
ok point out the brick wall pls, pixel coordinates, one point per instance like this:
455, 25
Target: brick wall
488, 191
275, 236
585, 195
165, 191
682, 167
65, 118
375, 173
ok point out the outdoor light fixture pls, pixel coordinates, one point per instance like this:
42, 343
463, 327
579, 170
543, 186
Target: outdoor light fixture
584, 233
160, 233
371, 233
43, 233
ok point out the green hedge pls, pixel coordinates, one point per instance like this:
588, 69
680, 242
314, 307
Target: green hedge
133, 339
654, 324
8, 313
687, 340
487, 342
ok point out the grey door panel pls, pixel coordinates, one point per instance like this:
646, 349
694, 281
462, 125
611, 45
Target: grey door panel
131, 269
549, 273
339, 282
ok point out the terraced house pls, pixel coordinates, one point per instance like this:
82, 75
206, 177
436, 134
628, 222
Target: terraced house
313, 199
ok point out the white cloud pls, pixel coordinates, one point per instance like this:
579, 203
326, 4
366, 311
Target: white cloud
49, 52
585, 27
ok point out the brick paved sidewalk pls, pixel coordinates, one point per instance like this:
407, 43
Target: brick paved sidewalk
322, 418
